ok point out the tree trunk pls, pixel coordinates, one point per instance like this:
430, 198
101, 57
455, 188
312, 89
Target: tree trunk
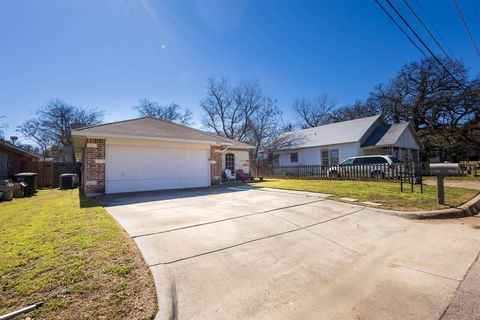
68, 153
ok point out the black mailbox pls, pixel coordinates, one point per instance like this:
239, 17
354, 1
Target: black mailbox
441, 170
444, 169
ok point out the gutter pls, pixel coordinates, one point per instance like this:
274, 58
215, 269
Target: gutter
18, 149
123, 136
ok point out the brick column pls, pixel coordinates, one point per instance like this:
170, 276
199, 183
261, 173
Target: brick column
216, 165
94, 166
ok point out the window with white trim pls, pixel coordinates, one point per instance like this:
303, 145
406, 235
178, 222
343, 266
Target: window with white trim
334, 156
230, 162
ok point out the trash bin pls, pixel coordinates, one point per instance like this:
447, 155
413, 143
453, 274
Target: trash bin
18, 189
30, 178
6, 187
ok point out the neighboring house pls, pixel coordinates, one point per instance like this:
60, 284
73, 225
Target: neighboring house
332, 143
148, 154
14, 159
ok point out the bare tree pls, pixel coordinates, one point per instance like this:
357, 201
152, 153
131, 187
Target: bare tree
171, 112
29, 148
444, 110
227, 110
283, 141
30, 130
54, 120
2, 128
354, 111
314, 113
56, 152
264, 126
243, 113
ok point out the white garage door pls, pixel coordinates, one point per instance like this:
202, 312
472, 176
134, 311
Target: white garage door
141, 168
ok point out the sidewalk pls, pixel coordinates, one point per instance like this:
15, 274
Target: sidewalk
465, 304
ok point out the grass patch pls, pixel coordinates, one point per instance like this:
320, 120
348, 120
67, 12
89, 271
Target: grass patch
119, 270
69, 253
382, 192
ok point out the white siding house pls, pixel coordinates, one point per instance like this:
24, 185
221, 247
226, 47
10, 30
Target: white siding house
330, 154
333, 143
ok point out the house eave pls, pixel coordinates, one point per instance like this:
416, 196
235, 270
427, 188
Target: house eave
386, 146
379, 146
152, 138
315, 146
232, 146
16, 149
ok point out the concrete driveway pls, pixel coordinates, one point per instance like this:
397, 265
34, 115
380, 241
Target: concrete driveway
241, 253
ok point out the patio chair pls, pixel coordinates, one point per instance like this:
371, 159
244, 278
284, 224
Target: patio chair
230, 175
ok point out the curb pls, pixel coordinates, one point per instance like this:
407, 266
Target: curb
166, 293
468, 209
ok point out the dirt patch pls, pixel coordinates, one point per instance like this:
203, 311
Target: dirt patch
456, 184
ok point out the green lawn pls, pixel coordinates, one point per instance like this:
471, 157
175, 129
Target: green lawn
387, 193
69, 253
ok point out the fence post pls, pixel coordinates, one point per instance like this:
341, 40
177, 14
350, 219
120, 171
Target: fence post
412, 176
401, 179
421, 180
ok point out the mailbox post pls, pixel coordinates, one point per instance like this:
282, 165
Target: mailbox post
440, 171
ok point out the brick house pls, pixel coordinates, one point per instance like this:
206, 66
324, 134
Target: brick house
149, 154
14, 159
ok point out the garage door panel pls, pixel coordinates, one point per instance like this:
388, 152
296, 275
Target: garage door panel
147, 185
125, 170
141, 168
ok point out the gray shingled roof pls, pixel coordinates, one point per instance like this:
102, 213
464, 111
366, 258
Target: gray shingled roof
154, 128
14, 148
386, 135
335, 133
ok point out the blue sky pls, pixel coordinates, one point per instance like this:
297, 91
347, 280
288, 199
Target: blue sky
106, 54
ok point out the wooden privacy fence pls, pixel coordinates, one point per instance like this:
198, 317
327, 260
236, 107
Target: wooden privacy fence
48, 172
44, 171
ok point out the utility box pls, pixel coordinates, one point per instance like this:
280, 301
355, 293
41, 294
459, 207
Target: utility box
442, 170
68, 181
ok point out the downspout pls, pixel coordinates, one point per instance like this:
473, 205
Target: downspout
222, 151
221, 163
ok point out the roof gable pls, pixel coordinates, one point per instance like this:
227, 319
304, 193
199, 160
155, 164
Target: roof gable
335, 133
390, 135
